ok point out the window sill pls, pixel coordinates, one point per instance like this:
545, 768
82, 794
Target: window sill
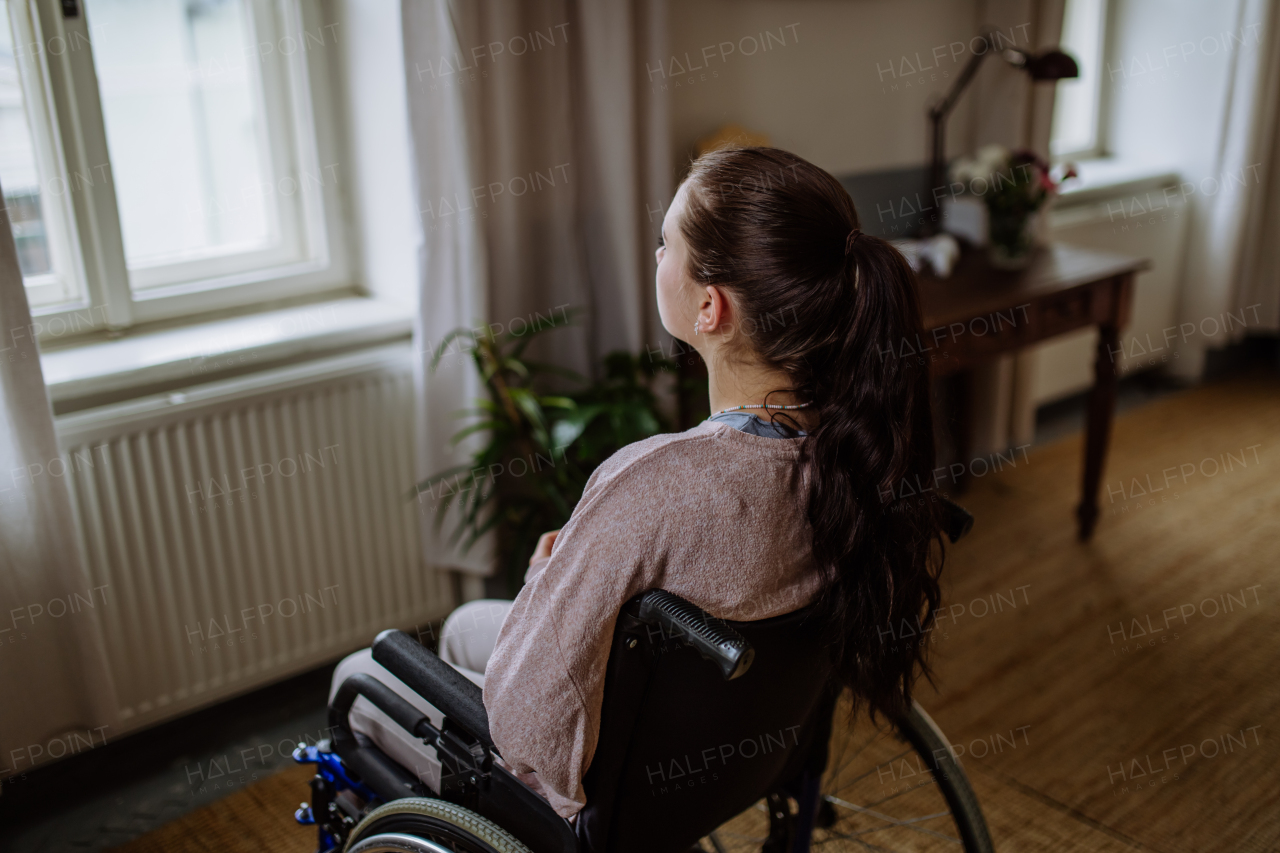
95, 373
1108, 177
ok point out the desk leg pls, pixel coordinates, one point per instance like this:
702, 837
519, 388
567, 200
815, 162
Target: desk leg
1102, 404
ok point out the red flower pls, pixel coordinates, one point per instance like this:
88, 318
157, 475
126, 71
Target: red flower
1028, 156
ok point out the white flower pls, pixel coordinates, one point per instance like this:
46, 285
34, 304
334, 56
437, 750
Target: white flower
992, 157
989, 160
964, 170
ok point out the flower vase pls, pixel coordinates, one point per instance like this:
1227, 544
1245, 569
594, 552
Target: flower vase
1011, 242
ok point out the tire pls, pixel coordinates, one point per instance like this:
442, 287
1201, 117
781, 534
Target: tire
424, 825
886, 787
928, 740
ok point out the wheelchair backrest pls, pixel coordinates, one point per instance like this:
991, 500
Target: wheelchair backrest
682, 749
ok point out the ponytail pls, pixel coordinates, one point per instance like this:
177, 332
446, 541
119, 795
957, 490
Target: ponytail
783, 237
874, 436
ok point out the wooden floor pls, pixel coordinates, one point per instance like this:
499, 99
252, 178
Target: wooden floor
1137, 674
1100, 663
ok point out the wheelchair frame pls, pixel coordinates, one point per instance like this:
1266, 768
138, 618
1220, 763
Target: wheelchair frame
353, 777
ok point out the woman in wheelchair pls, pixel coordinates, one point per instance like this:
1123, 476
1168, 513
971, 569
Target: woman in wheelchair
772, 527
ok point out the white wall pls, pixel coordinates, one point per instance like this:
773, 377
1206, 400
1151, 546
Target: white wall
1173, 113
377, 147
829, 93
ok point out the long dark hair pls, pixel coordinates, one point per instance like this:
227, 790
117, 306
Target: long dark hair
772, 229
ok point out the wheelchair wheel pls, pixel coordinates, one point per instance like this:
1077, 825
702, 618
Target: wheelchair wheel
422, 825
886, 787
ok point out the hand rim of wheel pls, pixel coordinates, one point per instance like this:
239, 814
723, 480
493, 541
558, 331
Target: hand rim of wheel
396, 842
456, 817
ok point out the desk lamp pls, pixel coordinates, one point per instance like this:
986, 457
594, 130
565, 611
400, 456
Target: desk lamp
1050, 65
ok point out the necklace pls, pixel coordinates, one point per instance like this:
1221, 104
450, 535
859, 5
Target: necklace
762, 406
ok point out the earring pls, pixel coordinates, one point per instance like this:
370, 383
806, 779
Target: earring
695, 327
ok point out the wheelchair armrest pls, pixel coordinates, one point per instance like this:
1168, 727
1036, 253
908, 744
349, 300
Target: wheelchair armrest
502, 797
388, 779
387, 700
454, 694
686, 622
956, 520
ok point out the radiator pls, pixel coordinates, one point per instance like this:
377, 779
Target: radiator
242, 531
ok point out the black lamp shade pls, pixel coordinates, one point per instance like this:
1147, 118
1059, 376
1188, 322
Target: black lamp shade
1052, 65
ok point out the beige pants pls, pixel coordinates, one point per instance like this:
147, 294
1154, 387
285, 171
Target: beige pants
466, 642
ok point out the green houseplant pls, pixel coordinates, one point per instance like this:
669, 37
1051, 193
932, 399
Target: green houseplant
540, 447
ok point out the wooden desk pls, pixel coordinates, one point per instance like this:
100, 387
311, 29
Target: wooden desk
981, 313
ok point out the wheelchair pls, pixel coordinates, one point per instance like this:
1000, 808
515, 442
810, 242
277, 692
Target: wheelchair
714, 736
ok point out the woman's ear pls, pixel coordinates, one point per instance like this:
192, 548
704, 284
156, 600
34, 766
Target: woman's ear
715, 308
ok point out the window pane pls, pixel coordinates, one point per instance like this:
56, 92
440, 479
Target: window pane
182, 104
19, 172
1075, 109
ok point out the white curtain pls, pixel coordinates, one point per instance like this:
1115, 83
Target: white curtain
1233, 254
58, 696
542, 163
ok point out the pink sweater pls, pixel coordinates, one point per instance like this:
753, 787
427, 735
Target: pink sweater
712, 514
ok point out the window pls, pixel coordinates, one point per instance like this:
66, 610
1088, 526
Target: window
1078, 103
189, 137
31, 172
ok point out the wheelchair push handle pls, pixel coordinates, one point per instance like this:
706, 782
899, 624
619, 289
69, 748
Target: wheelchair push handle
685, 622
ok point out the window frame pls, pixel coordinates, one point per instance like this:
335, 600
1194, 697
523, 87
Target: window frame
108, 301
67, 282
1101, 102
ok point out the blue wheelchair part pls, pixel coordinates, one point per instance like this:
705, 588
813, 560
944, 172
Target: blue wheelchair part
331, 779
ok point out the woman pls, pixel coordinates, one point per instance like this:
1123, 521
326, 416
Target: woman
783, 497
